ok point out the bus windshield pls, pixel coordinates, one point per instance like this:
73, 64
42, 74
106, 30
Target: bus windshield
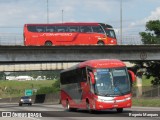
110, 33
112, 82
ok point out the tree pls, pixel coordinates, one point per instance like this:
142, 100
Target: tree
151, 36
2, 76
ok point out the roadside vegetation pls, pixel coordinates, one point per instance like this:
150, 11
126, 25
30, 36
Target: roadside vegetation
10, 89
146, 102
152, 74
149, 102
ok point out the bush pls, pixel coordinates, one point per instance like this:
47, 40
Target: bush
53, 89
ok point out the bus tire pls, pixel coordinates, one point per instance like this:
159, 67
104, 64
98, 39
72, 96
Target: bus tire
69, 108
89, 108
67, 105
48, 43
100, 43
119, 110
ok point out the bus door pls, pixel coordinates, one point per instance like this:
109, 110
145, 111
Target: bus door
98, 35
91, 86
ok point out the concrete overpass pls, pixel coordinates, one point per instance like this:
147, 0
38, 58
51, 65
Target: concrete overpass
39, 66
34, 66
25, 54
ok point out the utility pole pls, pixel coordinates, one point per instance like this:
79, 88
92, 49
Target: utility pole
121, 22
47, 13
62, 16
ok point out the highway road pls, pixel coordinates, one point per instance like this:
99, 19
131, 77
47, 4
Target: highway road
57, 112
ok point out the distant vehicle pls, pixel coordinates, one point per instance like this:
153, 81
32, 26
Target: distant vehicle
69, 34
25, 100
97, 85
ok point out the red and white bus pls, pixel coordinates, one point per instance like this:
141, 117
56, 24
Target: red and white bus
69, 34
97, 85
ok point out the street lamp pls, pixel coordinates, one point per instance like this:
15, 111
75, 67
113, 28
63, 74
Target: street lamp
47, 13
120, 21
62, 15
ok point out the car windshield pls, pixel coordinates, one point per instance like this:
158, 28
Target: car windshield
112, 82
25, 97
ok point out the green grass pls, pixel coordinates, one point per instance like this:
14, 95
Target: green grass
146, 102
147, 82
17, 88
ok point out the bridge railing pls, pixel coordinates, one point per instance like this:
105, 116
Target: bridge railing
13, 39
148, 92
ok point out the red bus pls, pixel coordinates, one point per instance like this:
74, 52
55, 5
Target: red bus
97, 85
69, 34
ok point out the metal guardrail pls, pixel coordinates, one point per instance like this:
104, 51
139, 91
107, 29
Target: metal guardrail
148, 91
13, 39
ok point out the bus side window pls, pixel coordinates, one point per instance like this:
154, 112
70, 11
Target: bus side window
62, 29
50, 29
73, 29
97, 29
32, 28
85, 29
40, 29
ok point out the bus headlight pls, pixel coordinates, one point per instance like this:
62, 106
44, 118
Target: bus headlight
112, 41
128, 98
104, 100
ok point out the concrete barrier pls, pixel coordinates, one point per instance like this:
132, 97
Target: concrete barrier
52, 98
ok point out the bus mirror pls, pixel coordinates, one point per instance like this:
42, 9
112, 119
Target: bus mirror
92, 77
132, 75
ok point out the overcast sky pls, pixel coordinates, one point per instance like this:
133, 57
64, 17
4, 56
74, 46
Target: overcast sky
15, 13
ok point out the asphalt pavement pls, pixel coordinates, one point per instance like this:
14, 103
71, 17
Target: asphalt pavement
52, 112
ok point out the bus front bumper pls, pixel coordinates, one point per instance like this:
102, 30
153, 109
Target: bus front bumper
111, 104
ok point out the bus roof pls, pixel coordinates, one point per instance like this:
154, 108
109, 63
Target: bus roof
69, 24
98, 63
102, 63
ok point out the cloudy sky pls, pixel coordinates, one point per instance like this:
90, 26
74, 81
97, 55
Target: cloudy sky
15, 13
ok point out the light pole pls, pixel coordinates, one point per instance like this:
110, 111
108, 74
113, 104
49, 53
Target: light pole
121, 22
47, 13
62, 16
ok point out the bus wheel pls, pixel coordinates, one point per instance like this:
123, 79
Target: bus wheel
67, 105
48, 43
100, 43
69, 108
89, 108
119, 110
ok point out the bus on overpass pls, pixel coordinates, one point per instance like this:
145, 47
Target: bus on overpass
69, 34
